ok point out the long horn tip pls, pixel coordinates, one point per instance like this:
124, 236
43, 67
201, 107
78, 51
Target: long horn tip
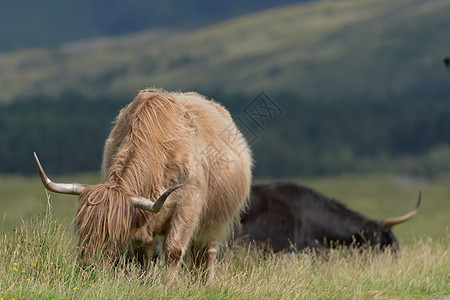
177, 186
170, 190
419, 200
36, 159
63, 188
159, 203
38, 163
394, 221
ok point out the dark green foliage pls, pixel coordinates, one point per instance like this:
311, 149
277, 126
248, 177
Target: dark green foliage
68, 133
308, 138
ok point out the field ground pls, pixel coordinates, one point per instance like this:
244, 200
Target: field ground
38, 259
378, 196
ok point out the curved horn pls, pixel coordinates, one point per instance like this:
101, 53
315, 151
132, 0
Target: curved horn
146, 204
63, 188
394, 221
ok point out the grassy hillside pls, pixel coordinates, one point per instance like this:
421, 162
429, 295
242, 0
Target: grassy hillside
321, 50
54, 22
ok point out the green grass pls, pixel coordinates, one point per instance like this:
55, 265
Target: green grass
22, 196
376, 195
38, 257
38, 261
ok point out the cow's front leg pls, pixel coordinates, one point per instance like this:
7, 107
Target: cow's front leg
173, 259
177, 240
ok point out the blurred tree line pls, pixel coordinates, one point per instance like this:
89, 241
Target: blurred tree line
290, 136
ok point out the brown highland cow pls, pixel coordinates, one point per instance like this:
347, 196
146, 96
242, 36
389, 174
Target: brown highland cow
162, 142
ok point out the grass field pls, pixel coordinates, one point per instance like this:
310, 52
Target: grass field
38, 258
378, 196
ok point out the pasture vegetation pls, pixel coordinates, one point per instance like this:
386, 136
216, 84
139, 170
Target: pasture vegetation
37, 263
38, 258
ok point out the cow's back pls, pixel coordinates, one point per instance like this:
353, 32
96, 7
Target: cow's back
279, 214
288, 216
225, 157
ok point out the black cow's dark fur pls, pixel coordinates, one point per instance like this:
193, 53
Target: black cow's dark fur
287, 216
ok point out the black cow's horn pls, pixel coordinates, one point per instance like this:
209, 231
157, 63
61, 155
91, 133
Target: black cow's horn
394, 221
63, 188
147, 204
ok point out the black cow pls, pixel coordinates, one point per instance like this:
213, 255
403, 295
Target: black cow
288, 216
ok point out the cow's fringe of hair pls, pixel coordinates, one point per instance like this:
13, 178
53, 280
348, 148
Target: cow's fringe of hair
104, 220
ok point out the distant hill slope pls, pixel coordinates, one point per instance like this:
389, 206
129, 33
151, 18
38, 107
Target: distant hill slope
319, 50
44, 23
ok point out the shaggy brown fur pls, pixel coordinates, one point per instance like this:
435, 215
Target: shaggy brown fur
104, 220
159, 140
